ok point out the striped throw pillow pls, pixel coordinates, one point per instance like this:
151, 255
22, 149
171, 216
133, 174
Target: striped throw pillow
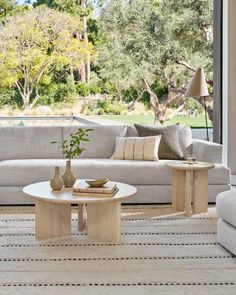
137, 148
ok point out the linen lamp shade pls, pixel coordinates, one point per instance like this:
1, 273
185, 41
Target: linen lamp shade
198, 88
198, 85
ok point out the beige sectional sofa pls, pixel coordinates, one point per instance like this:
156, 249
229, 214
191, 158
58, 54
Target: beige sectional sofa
27, 156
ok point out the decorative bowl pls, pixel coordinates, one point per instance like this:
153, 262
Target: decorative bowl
97, 182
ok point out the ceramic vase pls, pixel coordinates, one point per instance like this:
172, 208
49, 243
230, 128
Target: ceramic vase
57, 181
68, 177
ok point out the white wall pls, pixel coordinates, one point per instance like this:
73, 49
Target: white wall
229, 83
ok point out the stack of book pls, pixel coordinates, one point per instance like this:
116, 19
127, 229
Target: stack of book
84, 190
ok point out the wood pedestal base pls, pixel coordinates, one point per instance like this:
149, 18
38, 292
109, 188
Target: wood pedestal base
52, 220
103, 221
81, 218
190, 186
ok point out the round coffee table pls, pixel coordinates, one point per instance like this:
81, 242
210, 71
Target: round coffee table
190, 183
53, 211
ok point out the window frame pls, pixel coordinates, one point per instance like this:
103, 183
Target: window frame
218, 71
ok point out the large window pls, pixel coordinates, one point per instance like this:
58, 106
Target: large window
122, 60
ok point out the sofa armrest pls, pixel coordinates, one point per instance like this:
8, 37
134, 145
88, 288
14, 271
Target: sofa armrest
207, 151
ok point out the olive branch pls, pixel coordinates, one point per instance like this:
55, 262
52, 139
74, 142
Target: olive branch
71, 147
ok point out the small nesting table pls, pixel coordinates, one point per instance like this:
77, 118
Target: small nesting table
53, 211
190, 184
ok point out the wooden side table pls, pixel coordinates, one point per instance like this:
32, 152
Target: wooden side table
190, 184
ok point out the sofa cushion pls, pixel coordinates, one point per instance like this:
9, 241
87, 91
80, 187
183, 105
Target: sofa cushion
102, 140
137, 148
22, 172
169, 146
30, 142
131, 131
185, 137
226, 206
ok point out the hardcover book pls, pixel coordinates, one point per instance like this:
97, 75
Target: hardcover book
83, 187
95, 194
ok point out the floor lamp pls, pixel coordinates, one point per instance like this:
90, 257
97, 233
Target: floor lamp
198, 88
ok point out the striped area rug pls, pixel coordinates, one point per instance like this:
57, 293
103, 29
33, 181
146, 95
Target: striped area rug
160, 252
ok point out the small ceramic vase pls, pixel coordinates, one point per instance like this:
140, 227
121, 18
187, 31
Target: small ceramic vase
68, 177
57, 181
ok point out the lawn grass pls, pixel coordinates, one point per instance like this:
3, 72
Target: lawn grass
195, 122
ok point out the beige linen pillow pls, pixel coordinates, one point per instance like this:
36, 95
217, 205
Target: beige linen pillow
137, 148
169, 145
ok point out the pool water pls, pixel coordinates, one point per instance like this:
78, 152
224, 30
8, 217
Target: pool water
41, 121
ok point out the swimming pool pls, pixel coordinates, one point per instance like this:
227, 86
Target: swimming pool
21, 121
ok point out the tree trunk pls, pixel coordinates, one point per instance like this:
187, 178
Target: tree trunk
35, 100
26, 101
161, 109
118, 92
86, 66
154, 103
24, 95
210, 113
209, 108
80, 74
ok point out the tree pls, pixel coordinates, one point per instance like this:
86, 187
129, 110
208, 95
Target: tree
11, 7
6, 7
123, 57
82, 10
156, 40
35, 43
131, 51
190, 28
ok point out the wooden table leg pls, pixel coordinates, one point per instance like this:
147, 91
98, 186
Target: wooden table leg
103, 221
178, 190
188, 193
52, 220
200, 191
81, 219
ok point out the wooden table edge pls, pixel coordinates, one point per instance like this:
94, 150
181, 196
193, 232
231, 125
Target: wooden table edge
80, 200
190, 167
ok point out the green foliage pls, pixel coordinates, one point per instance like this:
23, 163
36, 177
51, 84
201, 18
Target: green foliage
160, 88
193, 105
57, 91
85, 89
133, 28
103, 107
194, 122
130, 93
71, 148
35, 43
6, 6
109, 88
111, 107
89, 107
70, 6
9, 96
154, 39
135, 40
